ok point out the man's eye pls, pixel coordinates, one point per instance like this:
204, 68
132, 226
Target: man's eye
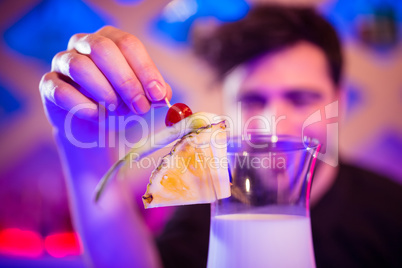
301, 99
253, 102
301, 102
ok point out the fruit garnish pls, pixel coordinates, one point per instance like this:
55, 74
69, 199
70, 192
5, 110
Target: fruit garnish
156, 141
192, 173
176, 113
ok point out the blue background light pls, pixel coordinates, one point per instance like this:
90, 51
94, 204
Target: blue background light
9, 104
46, 29
179, 15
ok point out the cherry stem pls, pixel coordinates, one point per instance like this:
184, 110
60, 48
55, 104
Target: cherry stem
167, 102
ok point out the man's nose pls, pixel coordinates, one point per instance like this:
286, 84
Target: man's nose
281, 116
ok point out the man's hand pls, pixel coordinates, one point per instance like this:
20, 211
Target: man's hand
110, 67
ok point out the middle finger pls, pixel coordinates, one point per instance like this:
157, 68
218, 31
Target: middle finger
108, 58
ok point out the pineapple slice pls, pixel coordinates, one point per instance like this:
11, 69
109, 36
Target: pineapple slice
193, 172
162, 138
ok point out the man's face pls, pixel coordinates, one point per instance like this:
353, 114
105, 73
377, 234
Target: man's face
290, 85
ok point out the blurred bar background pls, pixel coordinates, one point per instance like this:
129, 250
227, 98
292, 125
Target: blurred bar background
35, 223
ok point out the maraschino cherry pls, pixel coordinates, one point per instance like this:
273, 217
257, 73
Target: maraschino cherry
176, 112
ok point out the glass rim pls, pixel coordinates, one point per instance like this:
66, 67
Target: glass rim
275, 143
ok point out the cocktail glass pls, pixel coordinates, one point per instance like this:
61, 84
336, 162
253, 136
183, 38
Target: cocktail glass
265, 222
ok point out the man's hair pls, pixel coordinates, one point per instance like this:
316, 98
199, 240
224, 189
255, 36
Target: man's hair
269, 28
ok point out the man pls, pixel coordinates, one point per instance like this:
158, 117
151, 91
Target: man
282, 62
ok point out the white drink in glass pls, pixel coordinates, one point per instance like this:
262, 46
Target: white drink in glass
260, 240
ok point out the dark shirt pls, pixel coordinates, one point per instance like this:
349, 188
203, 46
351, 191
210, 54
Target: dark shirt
357, 223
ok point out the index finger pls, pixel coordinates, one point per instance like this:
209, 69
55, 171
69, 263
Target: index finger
139, 60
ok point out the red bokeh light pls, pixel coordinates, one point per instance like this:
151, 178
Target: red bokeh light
63, 244
25, 243
21, 243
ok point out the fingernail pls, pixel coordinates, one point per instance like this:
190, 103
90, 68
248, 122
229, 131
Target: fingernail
141, 104
156, 91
